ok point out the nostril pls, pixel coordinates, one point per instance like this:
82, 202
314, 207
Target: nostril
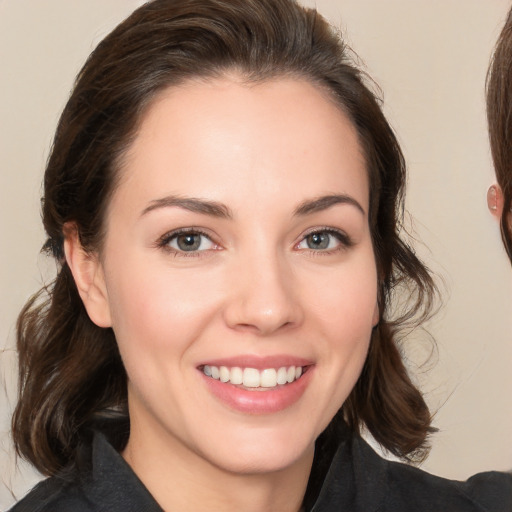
263, 302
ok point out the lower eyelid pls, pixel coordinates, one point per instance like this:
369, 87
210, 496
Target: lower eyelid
165, 241
344, 240
178, 250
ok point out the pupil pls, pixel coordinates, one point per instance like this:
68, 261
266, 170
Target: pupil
189, 242
318, 241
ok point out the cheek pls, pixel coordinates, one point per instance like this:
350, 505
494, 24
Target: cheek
158, 311
347, 300
345, 311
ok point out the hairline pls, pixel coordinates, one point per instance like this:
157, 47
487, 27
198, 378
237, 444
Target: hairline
240, 75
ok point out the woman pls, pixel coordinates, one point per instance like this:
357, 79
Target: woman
224, 198
499, 106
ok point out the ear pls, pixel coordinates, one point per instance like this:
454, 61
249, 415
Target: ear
495, 201
89, 277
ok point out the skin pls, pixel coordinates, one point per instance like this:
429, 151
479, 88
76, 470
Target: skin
495, 201
257, 286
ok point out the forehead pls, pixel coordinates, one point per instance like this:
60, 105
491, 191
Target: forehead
278, 137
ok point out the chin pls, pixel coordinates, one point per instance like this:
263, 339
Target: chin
261, 454
261, 464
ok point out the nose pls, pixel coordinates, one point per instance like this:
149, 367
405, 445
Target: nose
264, 297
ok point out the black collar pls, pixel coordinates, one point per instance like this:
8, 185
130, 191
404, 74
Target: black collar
113, 485
355, 481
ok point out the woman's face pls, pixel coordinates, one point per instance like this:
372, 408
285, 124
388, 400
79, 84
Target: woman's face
238, 272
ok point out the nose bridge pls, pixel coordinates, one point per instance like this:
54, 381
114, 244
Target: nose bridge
264, 295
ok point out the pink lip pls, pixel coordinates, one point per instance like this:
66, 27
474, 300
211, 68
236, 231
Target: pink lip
258, 362
259, 401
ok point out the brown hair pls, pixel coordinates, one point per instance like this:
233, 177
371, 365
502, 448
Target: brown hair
70, 369
499, 116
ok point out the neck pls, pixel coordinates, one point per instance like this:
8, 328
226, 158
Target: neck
180, 479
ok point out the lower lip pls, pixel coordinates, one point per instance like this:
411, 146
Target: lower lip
259, 401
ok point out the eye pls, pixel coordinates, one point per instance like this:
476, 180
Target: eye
188, 241
324, 240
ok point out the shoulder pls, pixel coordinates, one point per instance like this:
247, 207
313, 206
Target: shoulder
360, 480
489, 492
102, 482
55, 495
405, 485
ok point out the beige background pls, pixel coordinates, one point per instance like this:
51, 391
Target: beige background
430, 58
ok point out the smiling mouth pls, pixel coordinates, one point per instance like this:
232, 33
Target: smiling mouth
252, 378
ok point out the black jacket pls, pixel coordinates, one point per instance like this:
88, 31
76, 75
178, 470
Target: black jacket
358, 480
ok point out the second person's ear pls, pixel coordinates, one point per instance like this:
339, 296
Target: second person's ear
495, 200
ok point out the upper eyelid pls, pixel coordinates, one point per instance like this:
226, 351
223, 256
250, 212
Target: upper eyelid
344, 239
165, 239
324, 229
320, 229
178, 231
164, 243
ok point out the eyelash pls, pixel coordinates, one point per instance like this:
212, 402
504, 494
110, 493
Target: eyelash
165, 240
345, 241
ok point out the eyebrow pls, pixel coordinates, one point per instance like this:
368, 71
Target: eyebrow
324, 202
220, 210
192, 204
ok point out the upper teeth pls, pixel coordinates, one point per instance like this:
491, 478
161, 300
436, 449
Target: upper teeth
253, 378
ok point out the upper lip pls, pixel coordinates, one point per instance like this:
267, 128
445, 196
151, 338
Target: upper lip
258, 362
